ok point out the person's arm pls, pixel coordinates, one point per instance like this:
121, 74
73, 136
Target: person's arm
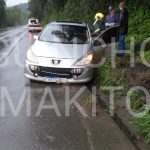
106, 21
94, 22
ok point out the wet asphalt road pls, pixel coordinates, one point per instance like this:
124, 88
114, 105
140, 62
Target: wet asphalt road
46, 132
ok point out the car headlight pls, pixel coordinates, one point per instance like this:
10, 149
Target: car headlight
86, 60
31, 57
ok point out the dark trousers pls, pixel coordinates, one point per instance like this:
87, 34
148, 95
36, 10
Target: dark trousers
121, 45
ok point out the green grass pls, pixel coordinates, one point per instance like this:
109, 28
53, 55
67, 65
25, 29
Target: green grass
113, 77
137, 104
143, 125
142, 121
146, 55
138, 23
106, 76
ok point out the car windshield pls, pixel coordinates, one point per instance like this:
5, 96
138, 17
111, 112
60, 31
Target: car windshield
67, 34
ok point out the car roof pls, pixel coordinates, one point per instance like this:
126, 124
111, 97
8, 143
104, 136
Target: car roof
69, 23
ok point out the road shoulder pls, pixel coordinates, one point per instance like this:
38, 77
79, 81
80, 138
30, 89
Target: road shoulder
103, 133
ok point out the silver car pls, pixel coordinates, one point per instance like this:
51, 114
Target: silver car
62, 53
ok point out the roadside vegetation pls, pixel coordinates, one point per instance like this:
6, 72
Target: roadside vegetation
12, 16
2, 13
143, 124
15, 16
122, 76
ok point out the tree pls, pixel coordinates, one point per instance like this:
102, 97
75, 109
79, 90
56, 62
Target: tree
36, 8
14, 16
77, 10
2, 13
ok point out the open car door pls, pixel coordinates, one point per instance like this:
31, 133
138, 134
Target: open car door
102, 43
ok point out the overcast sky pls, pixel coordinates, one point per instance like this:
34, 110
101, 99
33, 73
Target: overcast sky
15, 2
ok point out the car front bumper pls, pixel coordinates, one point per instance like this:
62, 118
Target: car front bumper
63, 76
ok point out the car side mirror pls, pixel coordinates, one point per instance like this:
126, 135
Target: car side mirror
35, 37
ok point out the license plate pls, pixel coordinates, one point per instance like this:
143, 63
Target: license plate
52, 79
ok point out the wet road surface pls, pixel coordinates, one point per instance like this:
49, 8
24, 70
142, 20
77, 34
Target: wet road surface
47, 131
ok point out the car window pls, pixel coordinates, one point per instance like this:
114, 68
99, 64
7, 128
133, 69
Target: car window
33, 21
68, 34
110, 33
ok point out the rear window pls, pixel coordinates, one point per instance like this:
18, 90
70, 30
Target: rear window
33, 21
67, 34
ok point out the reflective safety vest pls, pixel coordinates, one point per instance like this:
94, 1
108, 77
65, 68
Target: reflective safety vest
99, 25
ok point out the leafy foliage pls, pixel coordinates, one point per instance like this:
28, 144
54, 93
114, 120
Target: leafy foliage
143, 124
137, 104
112, 76
139, 23
85, 10
2, 12
14, 16
75, 10
35, 7
145, 55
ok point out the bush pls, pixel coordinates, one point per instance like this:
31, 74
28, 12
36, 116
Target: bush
143, 124
112, 76
139, 23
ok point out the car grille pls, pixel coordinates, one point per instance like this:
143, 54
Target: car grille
56, 72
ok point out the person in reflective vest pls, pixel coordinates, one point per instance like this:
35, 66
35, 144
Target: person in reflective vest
99, 24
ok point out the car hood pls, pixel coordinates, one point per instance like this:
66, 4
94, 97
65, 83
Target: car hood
58, 50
